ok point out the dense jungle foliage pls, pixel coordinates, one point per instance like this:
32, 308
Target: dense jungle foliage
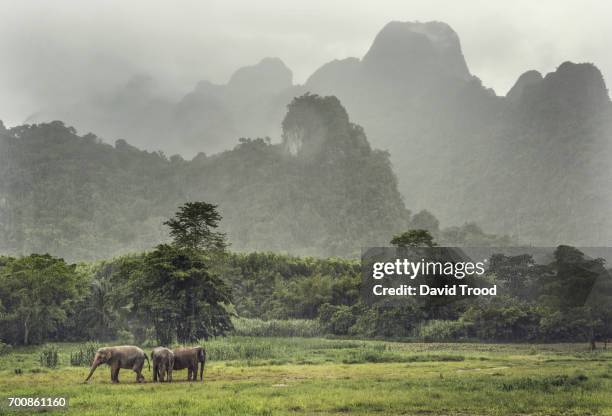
46, 299
323, 191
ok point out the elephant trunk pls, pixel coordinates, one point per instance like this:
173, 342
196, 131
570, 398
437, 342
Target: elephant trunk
93, 368
147, 358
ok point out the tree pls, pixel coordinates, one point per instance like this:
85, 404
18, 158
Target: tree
99, 313
425, 220
36, 293
175, 287
516, 273
577, 291
413, 238
571, 279
181, 297
193, 227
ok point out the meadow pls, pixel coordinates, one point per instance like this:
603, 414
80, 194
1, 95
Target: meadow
292, 375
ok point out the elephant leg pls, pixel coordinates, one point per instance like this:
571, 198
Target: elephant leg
138, 370
115, 373
169, 374
162, 373
155, 370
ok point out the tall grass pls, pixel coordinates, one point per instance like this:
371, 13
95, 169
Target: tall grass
305, 328
49, 356
284, 350
84, 354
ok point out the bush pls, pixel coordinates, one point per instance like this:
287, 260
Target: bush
49, 356
303, 328
4, 348
336, 319
381, 321
125, 337
84, 355
574, 325
440, 330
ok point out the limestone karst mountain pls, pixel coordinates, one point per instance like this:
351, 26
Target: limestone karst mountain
533, 163
252, 104
79, 198
210, 118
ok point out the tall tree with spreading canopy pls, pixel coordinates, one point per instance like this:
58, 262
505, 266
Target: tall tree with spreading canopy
176, 286
37, 293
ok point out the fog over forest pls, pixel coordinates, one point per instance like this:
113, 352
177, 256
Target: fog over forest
483, 129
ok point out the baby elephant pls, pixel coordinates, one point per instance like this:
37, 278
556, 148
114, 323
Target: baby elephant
189, 358
163, 363
126, 356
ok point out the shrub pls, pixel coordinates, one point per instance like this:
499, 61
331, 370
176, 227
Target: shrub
4, 348
125, 337
440, 330
150, 343
336, 319
49, 356
575, 325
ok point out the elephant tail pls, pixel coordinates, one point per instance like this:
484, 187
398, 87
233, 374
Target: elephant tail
148, 362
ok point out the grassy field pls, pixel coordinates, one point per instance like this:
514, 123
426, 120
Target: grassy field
268, 376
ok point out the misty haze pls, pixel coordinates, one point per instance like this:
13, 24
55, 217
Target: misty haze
301, 166
327, 207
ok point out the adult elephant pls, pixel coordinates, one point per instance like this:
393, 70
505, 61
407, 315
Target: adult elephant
189, 358
125, 356
163, 363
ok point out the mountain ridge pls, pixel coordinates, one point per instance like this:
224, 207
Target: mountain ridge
446, 132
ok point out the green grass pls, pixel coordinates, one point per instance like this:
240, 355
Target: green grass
269, 376
276, 327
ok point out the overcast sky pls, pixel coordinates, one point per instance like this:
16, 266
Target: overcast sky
62, 49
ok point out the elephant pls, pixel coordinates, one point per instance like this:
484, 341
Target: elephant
163, 363
189, 358
126, 356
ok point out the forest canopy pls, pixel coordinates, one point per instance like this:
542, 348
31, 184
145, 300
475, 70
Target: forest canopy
79, 198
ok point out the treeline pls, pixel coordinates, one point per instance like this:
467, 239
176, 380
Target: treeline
568, 299
168, 296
